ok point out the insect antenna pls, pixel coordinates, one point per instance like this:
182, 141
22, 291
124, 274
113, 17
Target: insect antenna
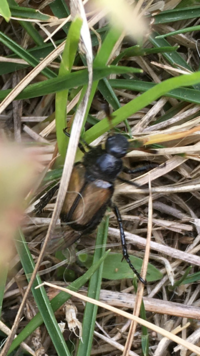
110, 117
123, 242
80, 145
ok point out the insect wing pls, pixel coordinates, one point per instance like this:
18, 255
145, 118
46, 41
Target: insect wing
93, 197
95, 200
62, 239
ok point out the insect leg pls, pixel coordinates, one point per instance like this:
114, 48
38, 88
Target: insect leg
128, 182
46, 198
137, 170
146, 168
123, 242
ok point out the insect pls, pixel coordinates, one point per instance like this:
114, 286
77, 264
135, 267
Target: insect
91, 189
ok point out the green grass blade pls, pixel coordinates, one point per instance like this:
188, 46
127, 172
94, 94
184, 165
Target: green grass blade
33, 33
68, 81
192, 278
138, 51
145, 343
145, 335
41, 299
184, 94
170, 113
21, 53
37, 52
60, 8
62, 96
93, 292
109, 95
177, 15
3, 278
187, 3
56, 303
28, 13
173, 58
28, 27
140, 102
99, 61
5, 10
183, 279
183, 30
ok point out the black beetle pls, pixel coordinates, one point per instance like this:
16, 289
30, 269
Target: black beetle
91, 189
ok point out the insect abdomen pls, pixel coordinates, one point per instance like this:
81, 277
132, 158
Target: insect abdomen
86, 201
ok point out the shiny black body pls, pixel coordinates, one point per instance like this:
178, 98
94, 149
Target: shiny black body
94, 179
91, 189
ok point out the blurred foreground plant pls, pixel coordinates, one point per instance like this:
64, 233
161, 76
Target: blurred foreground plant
18, 169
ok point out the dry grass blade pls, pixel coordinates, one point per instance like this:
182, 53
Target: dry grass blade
69, 161
140, 290
174, 253
31, 75
167, 131
7, 331
149, 325
154, 305
114, 343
